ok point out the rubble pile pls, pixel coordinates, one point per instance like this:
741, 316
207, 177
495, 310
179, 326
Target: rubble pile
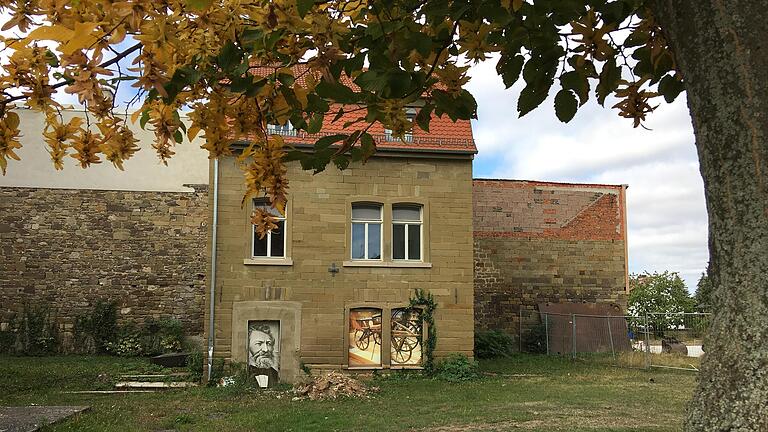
331, 386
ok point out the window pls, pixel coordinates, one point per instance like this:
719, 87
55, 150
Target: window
407, 136
406, 232
374, 342
366, 231
273, 244
286, 129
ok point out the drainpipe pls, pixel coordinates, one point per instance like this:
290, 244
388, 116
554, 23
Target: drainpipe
212, 296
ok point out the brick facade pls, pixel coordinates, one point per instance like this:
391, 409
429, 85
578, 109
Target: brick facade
537, 242
69, 248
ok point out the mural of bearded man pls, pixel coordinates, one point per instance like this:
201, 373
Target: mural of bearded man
263, 358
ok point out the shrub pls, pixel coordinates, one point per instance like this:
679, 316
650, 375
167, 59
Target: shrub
162, 336
95, 330
535, 340
128, 342
457, 368
492, 344
9, 336
38, 332
195, 365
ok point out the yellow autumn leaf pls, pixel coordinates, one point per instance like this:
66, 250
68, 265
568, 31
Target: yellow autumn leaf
135, 116
55, 32
82, 37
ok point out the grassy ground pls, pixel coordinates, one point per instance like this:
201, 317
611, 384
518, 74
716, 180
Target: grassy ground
535, 393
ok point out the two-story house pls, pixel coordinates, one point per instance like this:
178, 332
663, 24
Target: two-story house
328, 288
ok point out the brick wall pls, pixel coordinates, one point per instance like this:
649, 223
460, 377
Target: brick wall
537, 242
69, 248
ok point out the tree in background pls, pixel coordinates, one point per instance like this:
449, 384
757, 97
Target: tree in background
231, 62
662, 297
703, 294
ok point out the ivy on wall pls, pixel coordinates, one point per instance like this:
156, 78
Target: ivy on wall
425, 303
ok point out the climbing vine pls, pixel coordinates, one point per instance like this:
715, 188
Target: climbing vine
425, 303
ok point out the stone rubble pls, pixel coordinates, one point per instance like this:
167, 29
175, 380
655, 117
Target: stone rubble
331, 386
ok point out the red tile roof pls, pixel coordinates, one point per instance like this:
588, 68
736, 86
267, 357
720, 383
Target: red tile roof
444, 135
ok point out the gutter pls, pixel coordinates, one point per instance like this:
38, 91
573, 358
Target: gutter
212, 295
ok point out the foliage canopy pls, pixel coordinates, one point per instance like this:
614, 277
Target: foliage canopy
238, 66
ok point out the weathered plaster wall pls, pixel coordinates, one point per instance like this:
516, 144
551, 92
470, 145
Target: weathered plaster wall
537, 242
70, 248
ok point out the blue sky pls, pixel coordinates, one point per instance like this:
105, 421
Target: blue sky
667, 217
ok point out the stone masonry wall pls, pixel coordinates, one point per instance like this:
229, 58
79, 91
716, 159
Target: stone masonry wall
70, 248
537, 242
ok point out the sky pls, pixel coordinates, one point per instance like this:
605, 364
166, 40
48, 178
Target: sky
667, 217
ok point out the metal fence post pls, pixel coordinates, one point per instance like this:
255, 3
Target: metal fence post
573, 336
520, 325
610, 336
546, 330
647, 343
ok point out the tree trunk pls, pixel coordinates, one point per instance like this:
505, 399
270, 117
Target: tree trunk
722, 51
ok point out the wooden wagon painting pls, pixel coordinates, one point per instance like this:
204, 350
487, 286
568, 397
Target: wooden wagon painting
406, 337
365, 338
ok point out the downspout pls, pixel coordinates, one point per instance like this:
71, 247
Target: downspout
212, 295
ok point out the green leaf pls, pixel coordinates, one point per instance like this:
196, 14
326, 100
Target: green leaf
670, 87
303, 6
315, 123
424, 116
326, 141
336, 91
577, 82
463, 107
230, 56
565, 105
199, 4
392, 83
509, 69
177, 136
341, 162
609, 80
531, 97
144, 118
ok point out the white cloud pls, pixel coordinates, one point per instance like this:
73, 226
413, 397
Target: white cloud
667, 217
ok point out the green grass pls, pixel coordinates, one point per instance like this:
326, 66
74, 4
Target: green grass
536, 393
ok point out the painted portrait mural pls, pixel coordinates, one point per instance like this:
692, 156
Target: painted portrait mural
365, 337
264, 352
406, 337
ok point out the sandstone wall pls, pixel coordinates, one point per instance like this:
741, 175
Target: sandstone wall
70, 248
537, 242
318, 236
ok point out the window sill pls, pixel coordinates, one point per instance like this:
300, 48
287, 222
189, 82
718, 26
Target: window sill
268, 261
390, 264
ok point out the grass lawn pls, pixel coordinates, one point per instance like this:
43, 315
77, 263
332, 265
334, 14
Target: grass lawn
535, 393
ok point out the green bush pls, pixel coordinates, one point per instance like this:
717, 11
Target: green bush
38, 332
162, 336
457, 368
492, 344
95, 330
128, 342
195, 365
9, 336
535, 340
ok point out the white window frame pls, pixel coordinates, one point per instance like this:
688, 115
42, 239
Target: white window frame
285, 130
410, 113
406, 223
256, 202
367, 222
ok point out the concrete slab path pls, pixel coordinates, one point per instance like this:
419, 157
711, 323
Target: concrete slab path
32, 418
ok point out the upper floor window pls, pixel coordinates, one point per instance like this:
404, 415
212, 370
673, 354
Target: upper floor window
273, 244
366, 231
410, 114
286, 129
406, 232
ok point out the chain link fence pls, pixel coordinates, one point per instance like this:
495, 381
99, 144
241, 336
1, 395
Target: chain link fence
662, 340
